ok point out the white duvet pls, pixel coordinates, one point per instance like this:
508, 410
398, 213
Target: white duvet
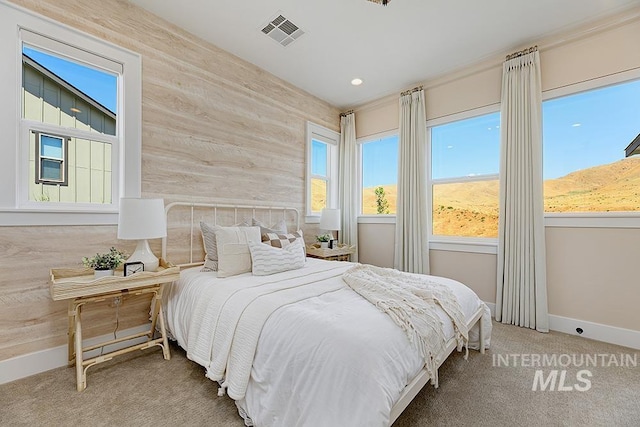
327, 360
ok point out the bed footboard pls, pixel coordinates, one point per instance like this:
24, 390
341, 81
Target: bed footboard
414, 387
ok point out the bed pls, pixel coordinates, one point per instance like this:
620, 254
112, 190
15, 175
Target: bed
300, 346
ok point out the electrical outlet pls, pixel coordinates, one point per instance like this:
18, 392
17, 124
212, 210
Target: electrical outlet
117, 301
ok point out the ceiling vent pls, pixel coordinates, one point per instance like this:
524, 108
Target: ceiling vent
282, 30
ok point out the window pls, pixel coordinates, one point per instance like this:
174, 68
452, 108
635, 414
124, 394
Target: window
51, 159
465, 158
319, 175
72, 122
585, 135
62, 95
322, 170
379, 166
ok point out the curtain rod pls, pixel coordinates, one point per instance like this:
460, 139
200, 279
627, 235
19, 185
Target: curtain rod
522, 52
415, 89
346, 113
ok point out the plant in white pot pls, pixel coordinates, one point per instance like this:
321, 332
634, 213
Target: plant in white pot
104, 264
324, 240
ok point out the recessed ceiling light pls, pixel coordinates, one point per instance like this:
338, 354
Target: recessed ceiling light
356, 82
576, 125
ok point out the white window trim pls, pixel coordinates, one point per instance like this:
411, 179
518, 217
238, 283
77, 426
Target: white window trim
371, 219
377, 219
592, 219
13, 210
458, 243
332, 139
480, 245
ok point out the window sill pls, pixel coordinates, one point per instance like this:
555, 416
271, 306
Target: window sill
479, 246
593, 220
16, 217
312, 219
377, 219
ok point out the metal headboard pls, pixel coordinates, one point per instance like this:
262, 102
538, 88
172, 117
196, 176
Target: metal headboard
274, 213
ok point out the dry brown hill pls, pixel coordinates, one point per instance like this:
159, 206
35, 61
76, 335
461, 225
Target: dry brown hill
471, 209
605, 188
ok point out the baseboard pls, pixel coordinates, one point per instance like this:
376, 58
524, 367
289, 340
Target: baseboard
52, 358
595, 331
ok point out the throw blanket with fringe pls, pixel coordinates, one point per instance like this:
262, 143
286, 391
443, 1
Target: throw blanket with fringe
410, 300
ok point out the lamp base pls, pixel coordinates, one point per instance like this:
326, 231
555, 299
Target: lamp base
144, 255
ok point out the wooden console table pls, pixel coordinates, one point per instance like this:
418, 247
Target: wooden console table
80, 287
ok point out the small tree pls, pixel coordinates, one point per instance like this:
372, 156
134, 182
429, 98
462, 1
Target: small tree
382, 205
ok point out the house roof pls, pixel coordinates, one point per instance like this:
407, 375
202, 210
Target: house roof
68, 86
633, 148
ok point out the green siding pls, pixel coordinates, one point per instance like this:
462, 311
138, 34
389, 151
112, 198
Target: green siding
89, 171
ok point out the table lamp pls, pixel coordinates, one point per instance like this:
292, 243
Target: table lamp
330, 220
142, 219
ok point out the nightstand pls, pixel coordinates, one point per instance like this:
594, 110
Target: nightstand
80, 287
341, 253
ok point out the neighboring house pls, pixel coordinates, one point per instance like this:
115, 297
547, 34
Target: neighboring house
64, 168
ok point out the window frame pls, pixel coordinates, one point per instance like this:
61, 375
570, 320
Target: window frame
458, 243
332, 139
591, 219
15, 208
378, 218
63, 160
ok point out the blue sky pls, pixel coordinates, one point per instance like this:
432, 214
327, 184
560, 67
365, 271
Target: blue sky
580, 131
380, 162
589, 129
99, 85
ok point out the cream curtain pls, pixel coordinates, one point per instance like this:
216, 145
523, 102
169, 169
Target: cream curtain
348, 181
411, 248
521, 297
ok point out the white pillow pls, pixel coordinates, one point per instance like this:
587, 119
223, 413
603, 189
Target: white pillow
210, 245
266, 259
233, 253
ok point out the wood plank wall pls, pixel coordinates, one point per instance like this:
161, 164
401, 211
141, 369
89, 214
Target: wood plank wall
214, 127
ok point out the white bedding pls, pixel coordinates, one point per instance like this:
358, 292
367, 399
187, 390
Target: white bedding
328, 360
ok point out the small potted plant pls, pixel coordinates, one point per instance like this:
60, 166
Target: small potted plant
324, 240
104, 264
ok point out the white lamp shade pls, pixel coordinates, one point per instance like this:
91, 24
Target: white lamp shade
141, 219
330, 219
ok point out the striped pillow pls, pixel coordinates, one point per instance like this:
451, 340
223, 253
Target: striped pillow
267, 259
282, 240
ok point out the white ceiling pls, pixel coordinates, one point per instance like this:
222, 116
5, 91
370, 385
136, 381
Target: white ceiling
391, 48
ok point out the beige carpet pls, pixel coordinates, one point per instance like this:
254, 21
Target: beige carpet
142, 389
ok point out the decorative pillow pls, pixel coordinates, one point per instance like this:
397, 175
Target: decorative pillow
210, 246
279, 227
267, 259
282, 240
233, 253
